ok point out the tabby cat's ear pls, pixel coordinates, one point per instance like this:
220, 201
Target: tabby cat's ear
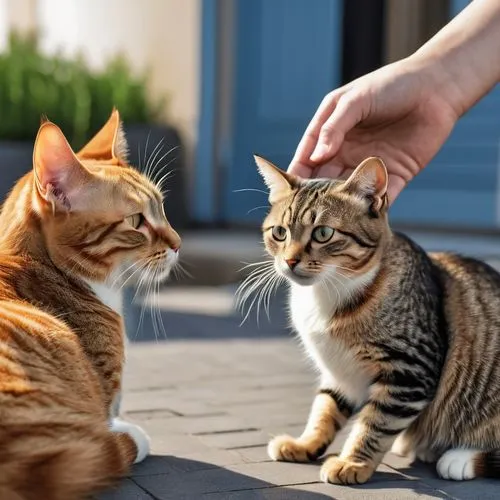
280, 183
109, 144
369, 180
59, 175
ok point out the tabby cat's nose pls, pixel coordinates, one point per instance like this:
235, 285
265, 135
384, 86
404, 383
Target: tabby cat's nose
292, 263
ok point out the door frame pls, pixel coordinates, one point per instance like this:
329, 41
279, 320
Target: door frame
214, 124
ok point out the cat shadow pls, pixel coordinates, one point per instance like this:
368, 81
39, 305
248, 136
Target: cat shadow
146, 326
171, 477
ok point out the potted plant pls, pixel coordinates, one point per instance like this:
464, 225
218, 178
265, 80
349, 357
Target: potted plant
79, 100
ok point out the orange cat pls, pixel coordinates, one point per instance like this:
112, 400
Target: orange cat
70, 228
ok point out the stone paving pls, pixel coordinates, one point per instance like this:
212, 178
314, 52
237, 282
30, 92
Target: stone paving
212, 394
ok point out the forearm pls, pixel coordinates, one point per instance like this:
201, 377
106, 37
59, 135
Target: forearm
465, 54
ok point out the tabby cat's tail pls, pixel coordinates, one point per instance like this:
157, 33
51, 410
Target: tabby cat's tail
487, 464
33, 468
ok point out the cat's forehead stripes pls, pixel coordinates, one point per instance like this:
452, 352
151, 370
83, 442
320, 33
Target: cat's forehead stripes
306, 203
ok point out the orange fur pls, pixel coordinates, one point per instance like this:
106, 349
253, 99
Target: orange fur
64, 227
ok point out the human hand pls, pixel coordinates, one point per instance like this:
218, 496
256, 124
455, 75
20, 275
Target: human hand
400, 113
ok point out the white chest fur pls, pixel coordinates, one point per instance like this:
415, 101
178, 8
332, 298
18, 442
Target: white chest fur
312, 309
112, 298
108, 296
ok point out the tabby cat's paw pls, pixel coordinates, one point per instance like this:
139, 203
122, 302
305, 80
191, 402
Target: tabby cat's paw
139, 436
457, 464
288, 449
339, 471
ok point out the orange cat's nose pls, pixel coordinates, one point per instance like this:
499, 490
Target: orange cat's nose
291, 263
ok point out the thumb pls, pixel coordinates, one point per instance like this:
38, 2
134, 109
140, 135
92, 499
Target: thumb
346, 115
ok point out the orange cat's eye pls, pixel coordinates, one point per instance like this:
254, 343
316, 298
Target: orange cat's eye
135, 220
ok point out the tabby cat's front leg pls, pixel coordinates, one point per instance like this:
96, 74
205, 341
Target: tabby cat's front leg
329, 413
380, 421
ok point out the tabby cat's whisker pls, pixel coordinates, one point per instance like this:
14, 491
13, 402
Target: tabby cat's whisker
251, 189
252, 281
331, 283
273, 287
256, 208
261, 280
254, 264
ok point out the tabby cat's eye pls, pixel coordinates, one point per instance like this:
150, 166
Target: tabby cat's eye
279, 233
322, 234
135, 220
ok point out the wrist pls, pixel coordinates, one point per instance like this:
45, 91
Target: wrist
462, 59
435, 82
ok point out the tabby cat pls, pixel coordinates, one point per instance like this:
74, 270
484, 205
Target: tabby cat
71, 228
408, 342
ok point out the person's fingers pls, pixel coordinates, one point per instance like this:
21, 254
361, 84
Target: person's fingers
346, 115
310, 138
301, 170
331, 170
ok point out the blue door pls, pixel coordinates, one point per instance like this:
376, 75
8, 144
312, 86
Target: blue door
287, 57
460, 186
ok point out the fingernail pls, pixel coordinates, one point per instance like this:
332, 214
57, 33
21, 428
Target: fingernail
319, 152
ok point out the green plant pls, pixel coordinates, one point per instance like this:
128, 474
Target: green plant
78, 99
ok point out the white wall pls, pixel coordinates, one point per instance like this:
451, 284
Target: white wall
163, 35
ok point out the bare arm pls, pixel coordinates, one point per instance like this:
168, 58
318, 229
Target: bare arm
405, 111
467, 49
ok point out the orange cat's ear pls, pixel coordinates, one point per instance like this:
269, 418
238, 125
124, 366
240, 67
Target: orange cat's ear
109, 144
369, 180
280, 183
59, 175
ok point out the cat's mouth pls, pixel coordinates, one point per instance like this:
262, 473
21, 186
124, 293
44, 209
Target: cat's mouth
162, 265
296, 275
146, 271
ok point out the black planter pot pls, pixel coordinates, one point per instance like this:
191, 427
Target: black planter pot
15, 161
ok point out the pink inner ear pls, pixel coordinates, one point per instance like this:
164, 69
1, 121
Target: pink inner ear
369, 178
58, 171
53, 157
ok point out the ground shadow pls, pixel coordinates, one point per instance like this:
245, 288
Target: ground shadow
170, 477
189, 326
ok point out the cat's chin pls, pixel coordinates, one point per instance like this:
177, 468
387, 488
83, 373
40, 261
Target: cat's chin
298, 279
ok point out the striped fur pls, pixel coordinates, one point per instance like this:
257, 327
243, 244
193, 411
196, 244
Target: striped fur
64, 233
408, 342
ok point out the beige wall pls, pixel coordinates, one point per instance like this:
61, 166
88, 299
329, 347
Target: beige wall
163, 35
